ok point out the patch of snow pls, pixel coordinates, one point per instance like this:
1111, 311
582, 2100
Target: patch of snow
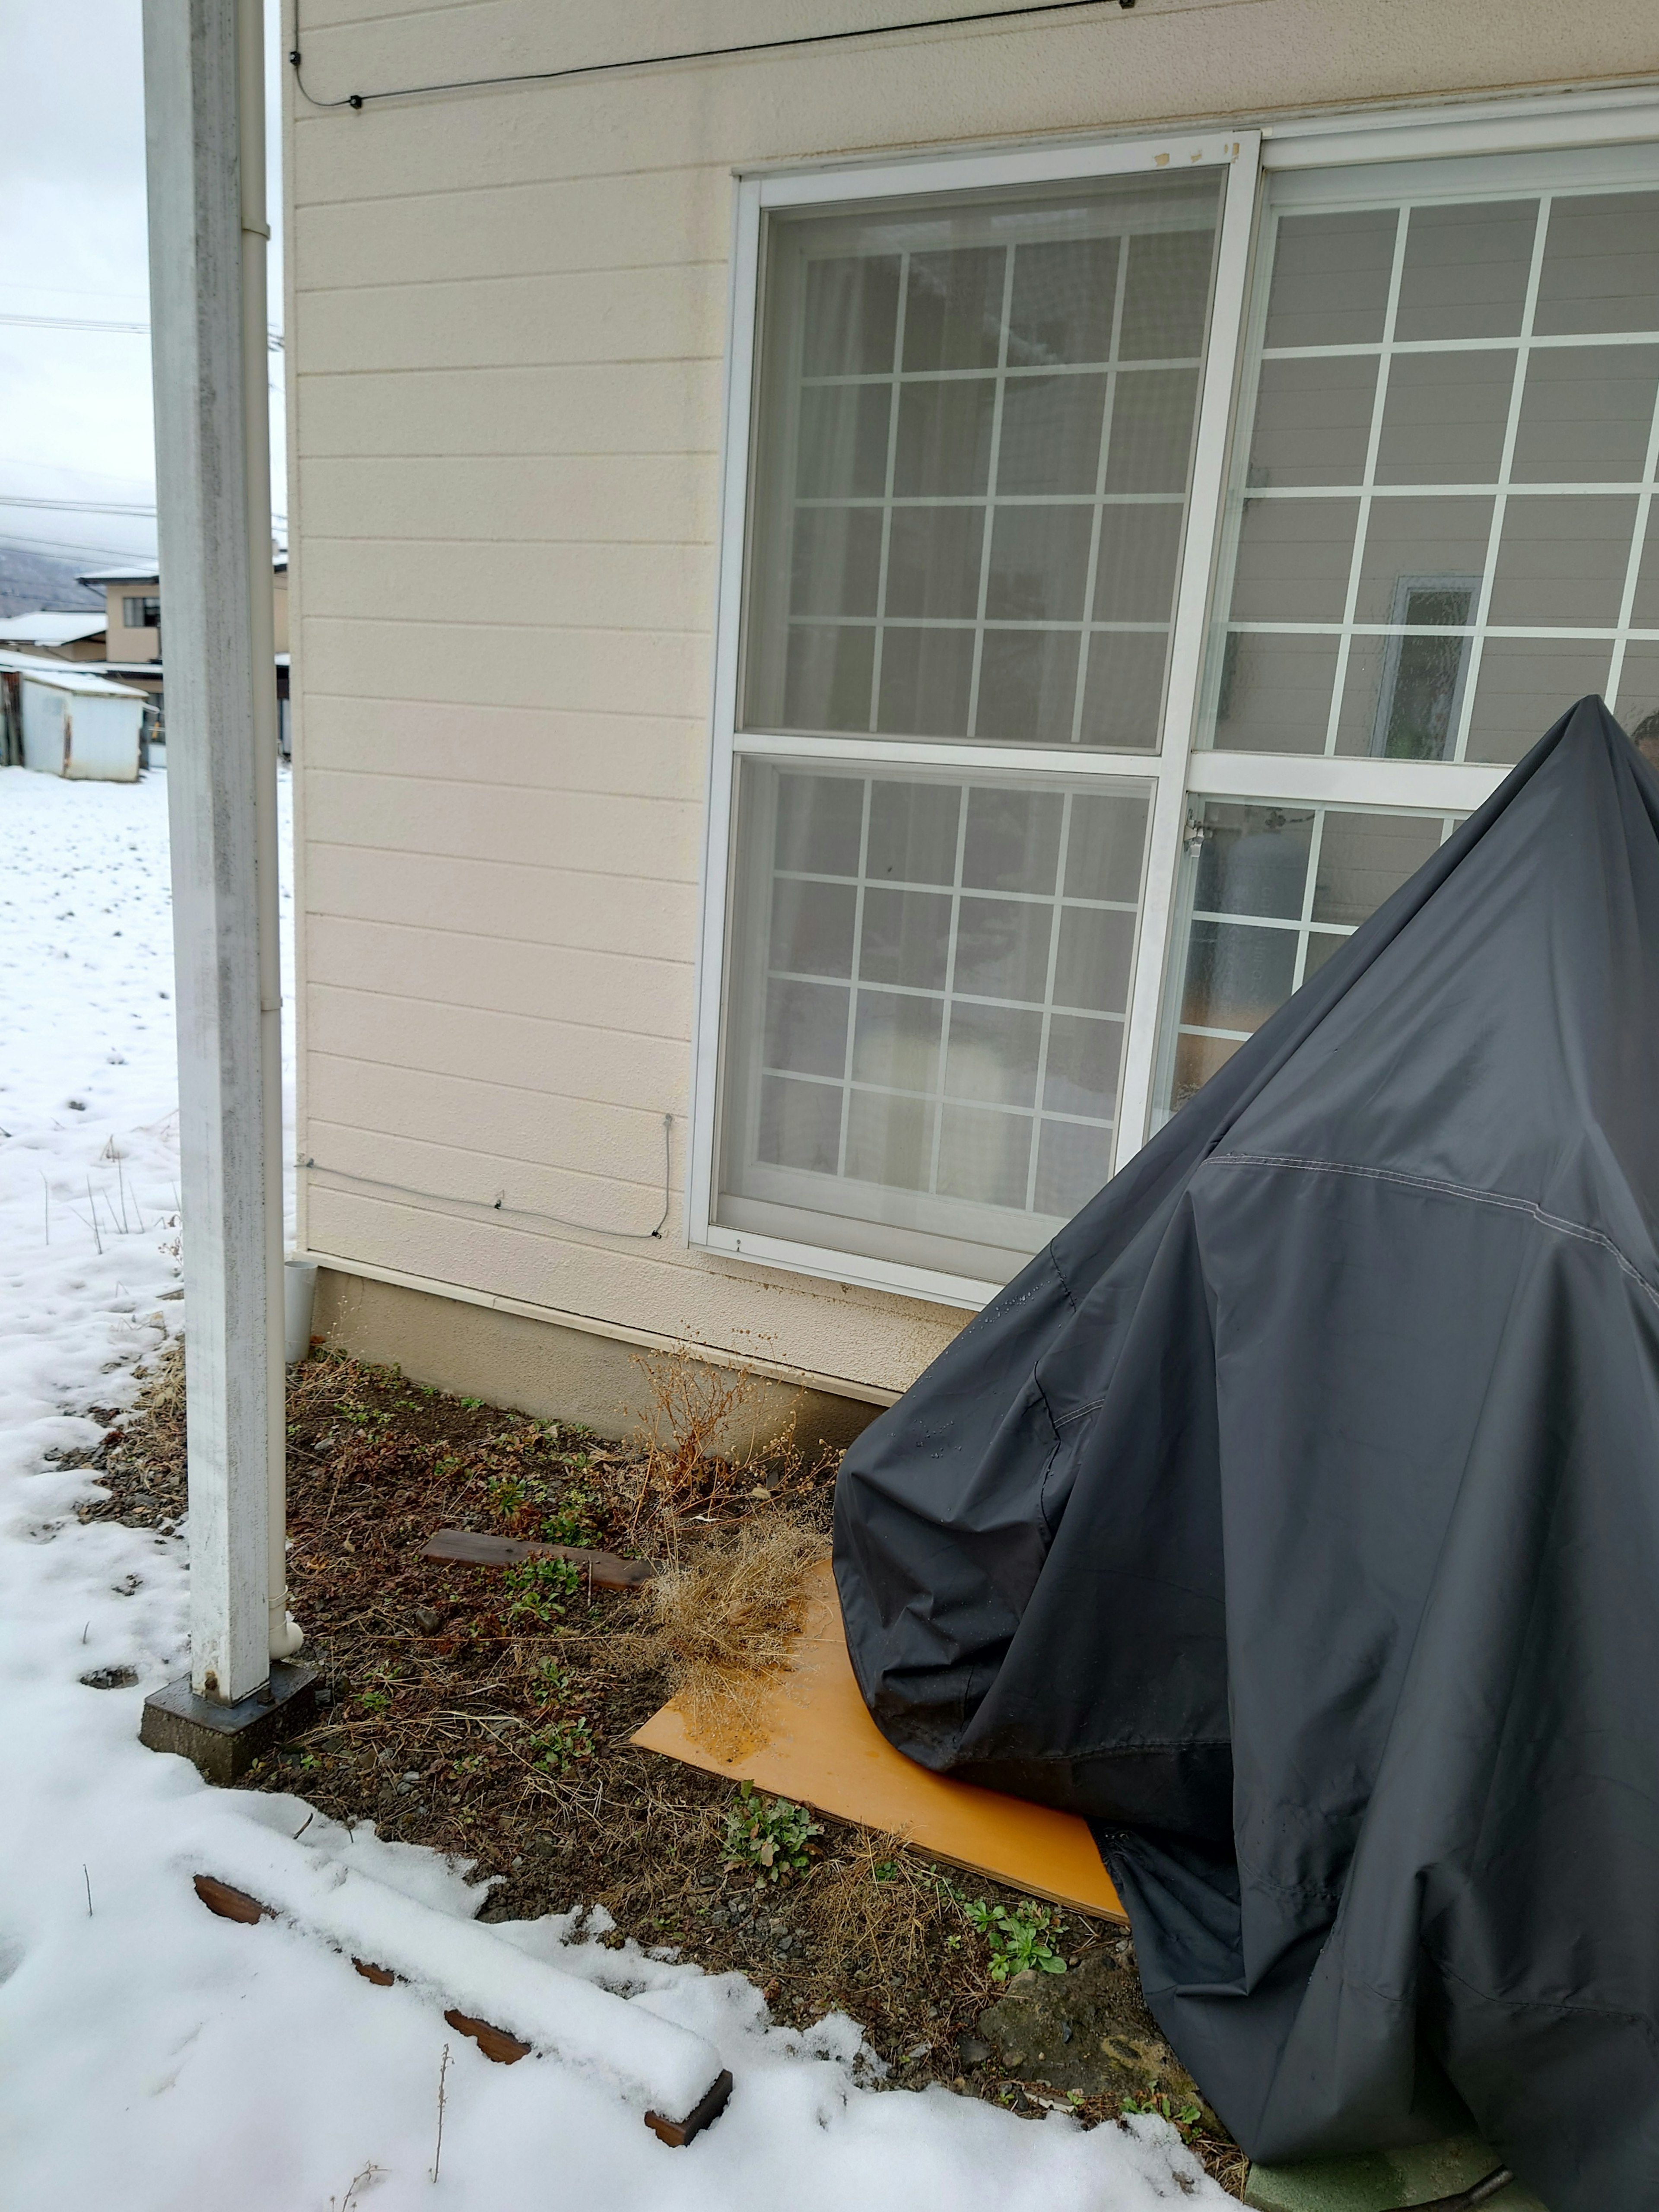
161, 2060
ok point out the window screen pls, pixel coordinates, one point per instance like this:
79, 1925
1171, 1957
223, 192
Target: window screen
1441, 534
927, 1034
975, 437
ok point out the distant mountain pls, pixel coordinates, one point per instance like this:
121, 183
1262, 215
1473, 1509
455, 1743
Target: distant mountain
31, 579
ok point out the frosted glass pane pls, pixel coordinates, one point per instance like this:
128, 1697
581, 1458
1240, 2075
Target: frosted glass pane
1083, 1059
1293, 559
1027, 687
813, 927
1364, 857
837, 561
1423, 560
913, 832
807, 1028
819, 824
1236, 975
1166, 295
799, 1125
943, 448
1093, 958
1253, 861
1445, 417
1330, 279
933, 561
1313, 420
843, 441
1064, 293
1275, 694
984, 1156
1525, 685
1586, 414
851, 313
1074, 1161
1050, 439
896, 1041
1002, 949
989, 976
950, 440
1562, 562
1039, 564
1154, 414
1137, 563
994, 1053
1103, 849
906, 938
953, 308
1600, 265
827, 677
1402, 695
890, 1141
1013, 843
1123, 695
926, 681
1466, 270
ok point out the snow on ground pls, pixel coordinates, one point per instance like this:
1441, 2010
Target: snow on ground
158, 2059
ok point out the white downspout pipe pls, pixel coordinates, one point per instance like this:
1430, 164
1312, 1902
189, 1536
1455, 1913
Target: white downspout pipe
203, 100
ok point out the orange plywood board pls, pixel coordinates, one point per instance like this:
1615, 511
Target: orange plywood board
821, 1747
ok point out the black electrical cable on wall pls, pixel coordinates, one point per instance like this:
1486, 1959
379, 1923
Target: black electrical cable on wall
357, 99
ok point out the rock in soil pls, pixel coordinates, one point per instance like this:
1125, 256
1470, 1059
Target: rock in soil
1088, 2031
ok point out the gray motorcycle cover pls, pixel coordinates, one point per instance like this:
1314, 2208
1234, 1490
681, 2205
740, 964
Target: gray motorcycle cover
1295, 1517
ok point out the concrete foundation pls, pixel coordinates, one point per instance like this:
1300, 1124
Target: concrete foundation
221, 1741
552, 1373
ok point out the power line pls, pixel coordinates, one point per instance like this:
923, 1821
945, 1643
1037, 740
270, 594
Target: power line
692, 54
273, 339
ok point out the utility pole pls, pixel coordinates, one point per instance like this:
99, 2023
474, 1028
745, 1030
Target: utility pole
205, 132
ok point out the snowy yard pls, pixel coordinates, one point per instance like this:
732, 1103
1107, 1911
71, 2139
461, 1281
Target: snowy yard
157, 2057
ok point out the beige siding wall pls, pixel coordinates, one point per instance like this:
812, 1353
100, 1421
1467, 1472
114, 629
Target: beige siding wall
507, 314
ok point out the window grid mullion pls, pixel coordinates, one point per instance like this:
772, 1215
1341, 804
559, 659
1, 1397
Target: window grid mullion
1500, 490
1120, 289
949, 983
1056, 918
1633, 563
853, 979
989, 526
1373, 443
1315, 841
887, 493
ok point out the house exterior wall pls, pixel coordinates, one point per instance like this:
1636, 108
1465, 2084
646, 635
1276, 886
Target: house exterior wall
508, 313
125, 644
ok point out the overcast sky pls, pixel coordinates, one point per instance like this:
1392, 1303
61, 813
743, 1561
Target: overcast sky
74, 405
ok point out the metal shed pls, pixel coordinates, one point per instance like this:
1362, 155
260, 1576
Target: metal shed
56, 719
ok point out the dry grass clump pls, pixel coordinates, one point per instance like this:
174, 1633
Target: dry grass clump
877, 1910
724, 1623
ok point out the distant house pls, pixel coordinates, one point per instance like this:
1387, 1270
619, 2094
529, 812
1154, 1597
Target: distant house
61, 720
132, 631
68, 634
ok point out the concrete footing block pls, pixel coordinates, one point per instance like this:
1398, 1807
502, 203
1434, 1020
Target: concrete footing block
221, 1741
1385, 2181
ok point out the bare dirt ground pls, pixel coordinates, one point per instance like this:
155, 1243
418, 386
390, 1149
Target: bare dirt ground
486, 1713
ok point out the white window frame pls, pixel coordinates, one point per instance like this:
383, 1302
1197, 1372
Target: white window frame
1178, 767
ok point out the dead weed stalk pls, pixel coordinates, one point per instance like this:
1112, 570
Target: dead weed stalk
724, 1623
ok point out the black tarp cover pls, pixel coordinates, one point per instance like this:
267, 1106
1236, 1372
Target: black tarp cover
1295, 1517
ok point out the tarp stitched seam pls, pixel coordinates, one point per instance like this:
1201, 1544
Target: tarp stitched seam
1506, 1199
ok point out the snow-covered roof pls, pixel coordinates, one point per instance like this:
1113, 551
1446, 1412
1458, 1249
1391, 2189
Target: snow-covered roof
121, 576
45, 626
67, 676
